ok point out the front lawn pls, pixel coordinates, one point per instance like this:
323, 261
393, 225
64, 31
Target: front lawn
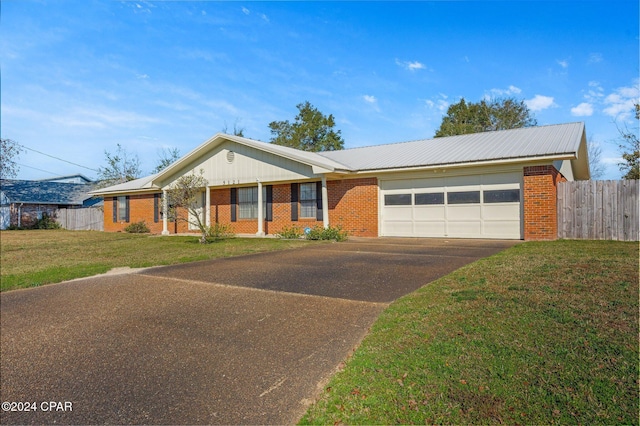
542, 333
37, 257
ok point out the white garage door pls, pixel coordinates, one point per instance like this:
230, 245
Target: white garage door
481, 206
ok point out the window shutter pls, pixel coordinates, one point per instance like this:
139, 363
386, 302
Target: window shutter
294, 202
128, 209
234, 197
115, 209
156, 204
269, 212
319, 201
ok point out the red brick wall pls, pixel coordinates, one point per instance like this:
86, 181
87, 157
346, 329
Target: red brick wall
140, 209
540, 200
353, 204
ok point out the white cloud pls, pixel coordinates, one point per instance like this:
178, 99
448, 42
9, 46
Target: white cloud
594, 58
620, 103
595, 92
245, 10
540, 102
511, 90
410, 65
373, 101
439, 104
563, 63
265, 18
585, 109
102, 118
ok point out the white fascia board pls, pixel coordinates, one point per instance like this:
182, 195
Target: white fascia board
100, 193
568, 156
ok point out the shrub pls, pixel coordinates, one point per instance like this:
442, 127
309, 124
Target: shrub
45, 222
137, 228
219, 231
335, 233
290, 233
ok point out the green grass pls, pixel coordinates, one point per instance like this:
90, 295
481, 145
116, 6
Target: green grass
34, 258
542, 333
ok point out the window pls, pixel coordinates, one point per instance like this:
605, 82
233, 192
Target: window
430, 198
397, 200
122, 209
308, 200
463, 197
502, 196
248, 202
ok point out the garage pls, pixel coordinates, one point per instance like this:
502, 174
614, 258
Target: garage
468, 206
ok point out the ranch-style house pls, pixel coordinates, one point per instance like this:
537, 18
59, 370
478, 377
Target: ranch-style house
499, 184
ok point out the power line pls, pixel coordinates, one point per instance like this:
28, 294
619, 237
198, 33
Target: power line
40, 170
57, 158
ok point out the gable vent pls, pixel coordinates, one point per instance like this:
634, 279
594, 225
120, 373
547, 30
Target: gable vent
230, 156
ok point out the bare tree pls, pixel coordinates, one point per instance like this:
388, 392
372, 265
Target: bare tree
183, 198
594, 152
237, 130
9, 152
121, 167
630, 147
167, 156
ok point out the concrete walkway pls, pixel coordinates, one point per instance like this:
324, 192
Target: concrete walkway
246, 340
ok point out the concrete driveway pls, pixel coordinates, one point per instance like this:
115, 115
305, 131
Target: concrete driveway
246, 340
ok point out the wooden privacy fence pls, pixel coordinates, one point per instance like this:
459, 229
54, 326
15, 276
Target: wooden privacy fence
599, 210
86, 219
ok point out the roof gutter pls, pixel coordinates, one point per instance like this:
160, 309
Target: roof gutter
567, 156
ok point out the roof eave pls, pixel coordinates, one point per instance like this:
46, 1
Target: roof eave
504, 161
100, 193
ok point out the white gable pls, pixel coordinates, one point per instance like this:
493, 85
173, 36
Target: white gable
230, 163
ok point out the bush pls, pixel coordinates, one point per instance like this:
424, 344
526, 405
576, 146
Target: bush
137, 228
335, 233
290, 233
219, 231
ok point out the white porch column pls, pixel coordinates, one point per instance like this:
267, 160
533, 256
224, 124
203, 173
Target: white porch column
260, 212
207, 207
325, 203
165, 213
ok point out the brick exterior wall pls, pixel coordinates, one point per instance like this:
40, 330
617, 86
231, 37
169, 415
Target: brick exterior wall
30, 213
141, 208
353, 204
540, 202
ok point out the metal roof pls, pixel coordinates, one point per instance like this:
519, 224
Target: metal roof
530, 142
132, 185
560, 141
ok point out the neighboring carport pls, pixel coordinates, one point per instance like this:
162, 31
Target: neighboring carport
210, 342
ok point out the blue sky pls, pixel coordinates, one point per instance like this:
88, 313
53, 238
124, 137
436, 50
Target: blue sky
79, 77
